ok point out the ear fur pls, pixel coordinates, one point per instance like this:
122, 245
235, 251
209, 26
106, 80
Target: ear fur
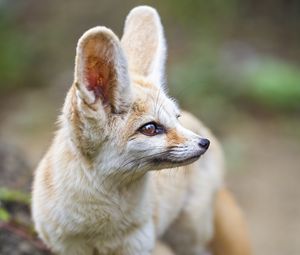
144, 43
101, 70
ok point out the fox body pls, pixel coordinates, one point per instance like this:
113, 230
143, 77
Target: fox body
122, 171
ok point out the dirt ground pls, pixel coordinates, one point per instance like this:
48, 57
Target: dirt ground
266, 185
263, 158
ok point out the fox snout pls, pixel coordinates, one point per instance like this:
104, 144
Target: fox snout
204, 144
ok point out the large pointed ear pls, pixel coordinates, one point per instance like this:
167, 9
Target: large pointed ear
144, 43
101, 73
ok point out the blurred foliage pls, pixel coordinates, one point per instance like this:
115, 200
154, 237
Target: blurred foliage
276, 84
209, 62
224, 83
12, 196
4, 215
9, 195
15, 50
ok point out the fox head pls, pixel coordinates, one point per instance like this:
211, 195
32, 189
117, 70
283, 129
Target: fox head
117, 111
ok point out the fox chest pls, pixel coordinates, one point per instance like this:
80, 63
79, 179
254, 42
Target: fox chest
102, 221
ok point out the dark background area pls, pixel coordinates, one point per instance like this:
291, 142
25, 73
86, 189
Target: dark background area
234, 64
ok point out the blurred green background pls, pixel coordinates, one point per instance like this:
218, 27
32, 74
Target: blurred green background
235, 64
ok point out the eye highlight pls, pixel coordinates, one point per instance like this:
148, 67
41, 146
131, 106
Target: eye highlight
151, 129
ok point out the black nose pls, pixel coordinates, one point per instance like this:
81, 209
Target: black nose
204, 143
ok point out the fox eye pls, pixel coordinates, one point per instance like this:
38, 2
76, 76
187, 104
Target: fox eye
151, 129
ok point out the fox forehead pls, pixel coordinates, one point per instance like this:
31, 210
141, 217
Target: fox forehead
151, 102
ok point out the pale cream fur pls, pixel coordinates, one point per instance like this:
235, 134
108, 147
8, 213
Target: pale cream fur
96, 190
162, 249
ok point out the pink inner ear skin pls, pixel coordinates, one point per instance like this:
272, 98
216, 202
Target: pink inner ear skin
98, 82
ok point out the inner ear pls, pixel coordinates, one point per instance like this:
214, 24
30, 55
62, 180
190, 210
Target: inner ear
99, 78
101, 69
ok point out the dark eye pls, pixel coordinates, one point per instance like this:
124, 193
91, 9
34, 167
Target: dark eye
151, 129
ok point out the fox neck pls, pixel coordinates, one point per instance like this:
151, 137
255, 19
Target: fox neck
121, 181
124, 191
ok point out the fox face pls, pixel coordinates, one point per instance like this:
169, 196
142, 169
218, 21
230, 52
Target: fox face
117, 110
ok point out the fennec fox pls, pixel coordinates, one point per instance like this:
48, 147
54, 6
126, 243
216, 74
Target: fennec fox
119, 176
